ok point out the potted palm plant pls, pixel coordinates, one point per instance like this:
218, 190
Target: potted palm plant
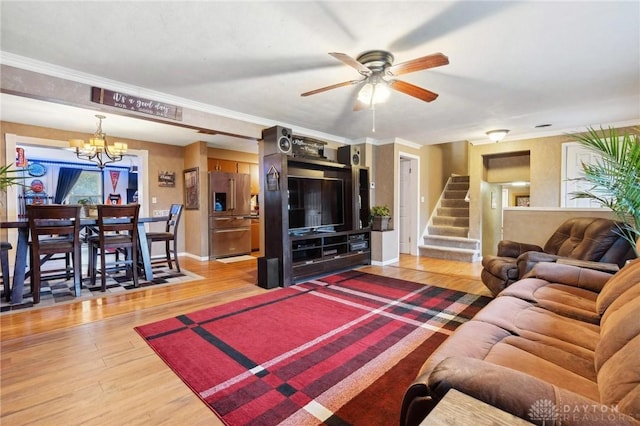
380, 218
10, 177
615, 177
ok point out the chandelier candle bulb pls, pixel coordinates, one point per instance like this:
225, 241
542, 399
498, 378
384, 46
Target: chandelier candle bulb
97, 149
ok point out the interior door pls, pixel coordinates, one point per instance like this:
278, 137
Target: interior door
574, 155
404, 214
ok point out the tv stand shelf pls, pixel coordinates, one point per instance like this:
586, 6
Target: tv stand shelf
312, 225
320, 253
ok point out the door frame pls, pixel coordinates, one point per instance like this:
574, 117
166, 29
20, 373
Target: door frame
413, 196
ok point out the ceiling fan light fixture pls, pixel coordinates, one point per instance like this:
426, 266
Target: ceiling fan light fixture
497, 135
374, 93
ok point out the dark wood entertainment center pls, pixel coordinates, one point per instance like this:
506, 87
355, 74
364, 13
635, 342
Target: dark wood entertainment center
315, 250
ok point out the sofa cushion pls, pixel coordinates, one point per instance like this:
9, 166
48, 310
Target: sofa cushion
616, 359
568, 301
627, 277
520, 318
583, 238
510, 353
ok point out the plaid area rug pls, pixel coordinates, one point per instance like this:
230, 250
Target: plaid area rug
303, 354
59, 291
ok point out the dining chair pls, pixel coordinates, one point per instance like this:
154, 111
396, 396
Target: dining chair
54, 229
5, 246
169, 237
117, 230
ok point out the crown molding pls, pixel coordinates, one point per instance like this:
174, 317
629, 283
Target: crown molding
53, 70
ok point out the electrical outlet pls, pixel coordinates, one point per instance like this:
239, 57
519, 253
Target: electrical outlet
154, 200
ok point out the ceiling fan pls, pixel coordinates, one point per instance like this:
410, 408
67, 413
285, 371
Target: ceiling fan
377, 69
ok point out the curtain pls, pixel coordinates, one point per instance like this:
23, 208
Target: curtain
66, 179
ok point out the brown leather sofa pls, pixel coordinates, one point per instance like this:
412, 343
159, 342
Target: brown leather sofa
560, 347
583, 238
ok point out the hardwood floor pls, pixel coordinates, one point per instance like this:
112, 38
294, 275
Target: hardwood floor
83, 363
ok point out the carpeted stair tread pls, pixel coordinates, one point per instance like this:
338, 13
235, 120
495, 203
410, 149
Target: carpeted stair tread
449, 253
451, 221
449, 231
455, 195
455, 203
451, 242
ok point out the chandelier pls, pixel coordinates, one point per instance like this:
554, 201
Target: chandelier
97, 149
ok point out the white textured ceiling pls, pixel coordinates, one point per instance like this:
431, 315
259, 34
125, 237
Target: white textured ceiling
513, 64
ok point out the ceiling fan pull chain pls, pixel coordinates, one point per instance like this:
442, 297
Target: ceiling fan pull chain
373, 112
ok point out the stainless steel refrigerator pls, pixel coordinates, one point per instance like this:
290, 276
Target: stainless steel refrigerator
229, 214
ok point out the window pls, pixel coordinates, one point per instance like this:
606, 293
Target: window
88, 187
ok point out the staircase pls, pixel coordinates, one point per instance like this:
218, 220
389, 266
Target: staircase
448, 229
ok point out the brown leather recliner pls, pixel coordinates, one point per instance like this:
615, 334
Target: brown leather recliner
582, 238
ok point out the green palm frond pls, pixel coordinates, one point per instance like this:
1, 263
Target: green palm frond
615, 176
10, 177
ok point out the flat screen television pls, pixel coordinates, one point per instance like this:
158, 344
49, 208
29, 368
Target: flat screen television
315, 203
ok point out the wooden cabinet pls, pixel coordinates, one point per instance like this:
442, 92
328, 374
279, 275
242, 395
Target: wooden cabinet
324, 253
227, 166
255, 234
303, 252
255, 178
230, 166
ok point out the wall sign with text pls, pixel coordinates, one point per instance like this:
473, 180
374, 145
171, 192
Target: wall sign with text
135, 103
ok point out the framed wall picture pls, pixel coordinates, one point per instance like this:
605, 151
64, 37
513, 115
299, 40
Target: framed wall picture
191, 189
166, 178
522, 201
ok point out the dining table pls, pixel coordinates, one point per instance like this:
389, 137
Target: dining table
22, 248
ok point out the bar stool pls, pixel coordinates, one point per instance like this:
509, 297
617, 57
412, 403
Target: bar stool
169, 236
54, 229
117, 230
4, 265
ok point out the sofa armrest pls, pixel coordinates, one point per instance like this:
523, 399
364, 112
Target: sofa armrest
507, 248
576, 276
526, 261
518, 393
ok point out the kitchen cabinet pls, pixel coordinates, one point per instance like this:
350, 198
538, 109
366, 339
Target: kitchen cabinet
218, 165
230, 166
255, 234
255, 178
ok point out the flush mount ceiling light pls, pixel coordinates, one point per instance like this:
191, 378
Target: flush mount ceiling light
97, 149
497, 135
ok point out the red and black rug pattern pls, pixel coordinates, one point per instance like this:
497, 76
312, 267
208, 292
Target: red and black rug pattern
319, 352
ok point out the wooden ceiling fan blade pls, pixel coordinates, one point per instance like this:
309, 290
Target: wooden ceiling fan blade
418, 64
412, 90
333, 86
351, 62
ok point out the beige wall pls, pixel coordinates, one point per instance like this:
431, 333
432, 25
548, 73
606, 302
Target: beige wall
227, 154
507, 168
455, 159
384, 175
197, 220
518, 222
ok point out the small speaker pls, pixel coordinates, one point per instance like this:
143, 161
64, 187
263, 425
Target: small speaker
268, 272
349, 155
277, 139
